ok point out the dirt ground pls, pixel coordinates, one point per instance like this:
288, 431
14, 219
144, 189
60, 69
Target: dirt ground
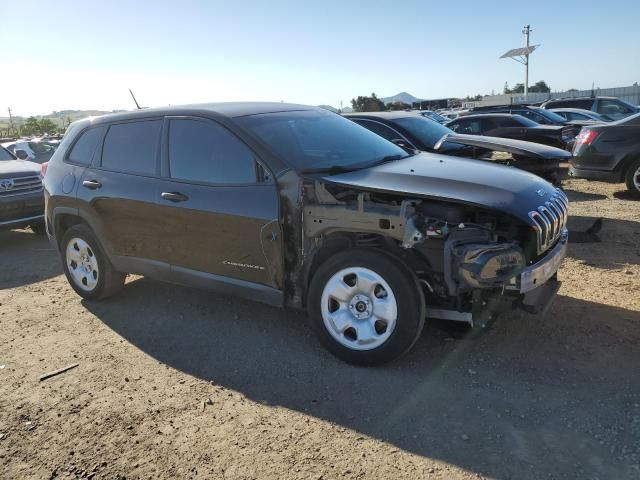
181, 383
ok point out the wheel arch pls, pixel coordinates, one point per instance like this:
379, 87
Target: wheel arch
337, 242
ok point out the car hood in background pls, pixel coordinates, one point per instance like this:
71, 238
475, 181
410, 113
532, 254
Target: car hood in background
515, 147
454, 179
18, 168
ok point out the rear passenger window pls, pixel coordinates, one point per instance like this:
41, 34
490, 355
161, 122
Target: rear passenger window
205, 152
132, 147
83, 150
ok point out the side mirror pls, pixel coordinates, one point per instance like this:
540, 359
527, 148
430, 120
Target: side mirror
21, 154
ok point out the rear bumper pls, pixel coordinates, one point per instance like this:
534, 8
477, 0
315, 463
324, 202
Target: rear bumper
610, 176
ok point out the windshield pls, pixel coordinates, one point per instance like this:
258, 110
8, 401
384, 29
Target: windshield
314, 139
436, 116
554, 117
526, 122
5, 155
427, 131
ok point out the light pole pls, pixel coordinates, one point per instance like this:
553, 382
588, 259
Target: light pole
521, 55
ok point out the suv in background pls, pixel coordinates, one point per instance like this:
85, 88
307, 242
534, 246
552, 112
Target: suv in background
299, 207
610, 106
21, 198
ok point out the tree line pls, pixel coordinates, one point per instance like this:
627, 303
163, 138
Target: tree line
34, 126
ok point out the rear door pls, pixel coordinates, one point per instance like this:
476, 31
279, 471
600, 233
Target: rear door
119, 192
219, 205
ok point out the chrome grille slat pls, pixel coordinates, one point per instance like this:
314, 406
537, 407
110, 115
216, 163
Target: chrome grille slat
22, 185
549, 220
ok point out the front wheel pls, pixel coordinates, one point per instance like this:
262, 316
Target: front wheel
633, 178
366, 306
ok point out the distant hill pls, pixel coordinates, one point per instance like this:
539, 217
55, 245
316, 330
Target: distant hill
403, 97
59, 118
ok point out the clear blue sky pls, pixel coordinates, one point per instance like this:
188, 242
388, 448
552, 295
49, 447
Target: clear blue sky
67, 54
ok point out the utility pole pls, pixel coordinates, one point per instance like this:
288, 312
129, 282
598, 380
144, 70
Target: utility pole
10, 121
526, 31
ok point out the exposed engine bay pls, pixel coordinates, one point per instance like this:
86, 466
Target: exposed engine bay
463, 255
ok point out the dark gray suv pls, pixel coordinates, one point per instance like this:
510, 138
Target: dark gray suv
298, 207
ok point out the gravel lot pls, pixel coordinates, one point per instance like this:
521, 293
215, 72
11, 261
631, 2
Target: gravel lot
181, 383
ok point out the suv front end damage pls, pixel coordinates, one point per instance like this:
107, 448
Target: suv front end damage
472, 263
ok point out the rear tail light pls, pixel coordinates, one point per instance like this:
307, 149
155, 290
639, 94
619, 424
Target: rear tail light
43, 169
586, 137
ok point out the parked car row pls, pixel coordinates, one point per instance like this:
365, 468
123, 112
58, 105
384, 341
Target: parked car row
415, 132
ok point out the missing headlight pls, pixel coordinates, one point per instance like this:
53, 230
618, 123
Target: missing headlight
487, 266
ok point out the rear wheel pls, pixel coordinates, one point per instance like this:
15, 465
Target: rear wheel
86, 266
367, 307
633, 178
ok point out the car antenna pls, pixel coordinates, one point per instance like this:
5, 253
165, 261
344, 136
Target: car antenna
134, 99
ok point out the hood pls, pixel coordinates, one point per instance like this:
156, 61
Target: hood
515, 147
459, 180
18, 168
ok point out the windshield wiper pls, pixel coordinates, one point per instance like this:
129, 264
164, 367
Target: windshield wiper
390, 158
333, 169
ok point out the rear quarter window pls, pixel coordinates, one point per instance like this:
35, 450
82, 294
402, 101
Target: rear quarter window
85, 147
132, 147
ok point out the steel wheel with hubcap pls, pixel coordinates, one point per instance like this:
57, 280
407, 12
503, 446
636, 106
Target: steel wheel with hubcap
366, 305
82, 264
358, 308
86, 266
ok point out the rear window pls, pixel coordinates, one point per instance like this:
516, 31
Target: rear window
132, 147
585, 104
83, 150
428, 131
521, 121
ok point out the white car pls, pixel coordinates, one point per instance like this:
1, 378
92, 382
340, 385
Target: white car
32, 150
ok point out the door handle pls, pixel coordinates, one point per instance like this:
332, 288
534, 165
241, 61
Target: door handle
91, 184
174, 196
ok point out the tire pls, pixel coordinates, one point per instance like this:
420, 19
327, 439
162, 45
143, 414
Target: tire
633, 178
38, 228
93, 277
370, 319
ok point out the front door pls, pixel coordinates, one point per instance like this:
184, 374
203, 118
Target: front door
220, 206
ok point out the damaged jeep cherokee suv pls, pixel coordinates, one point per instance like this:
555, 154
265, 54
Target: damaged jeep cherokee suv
298, 207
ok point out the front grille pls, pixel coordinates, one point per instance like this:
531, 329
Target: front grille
10, 187
549, 220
